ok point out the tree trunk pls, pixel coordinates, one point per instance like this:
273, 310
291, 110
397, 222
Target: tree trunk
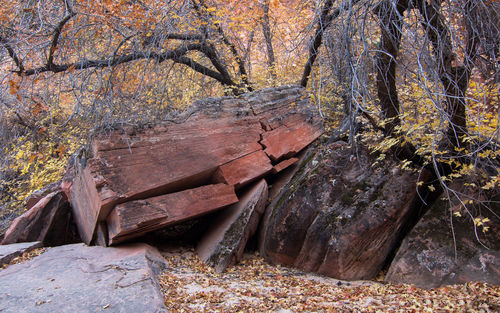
391, 20
455, 79
266, 29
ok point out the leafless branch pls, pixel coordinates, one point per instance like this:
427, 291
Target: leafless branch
12, 54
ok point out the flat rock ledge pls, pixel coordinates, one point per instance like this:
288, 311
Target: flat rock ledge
79, 278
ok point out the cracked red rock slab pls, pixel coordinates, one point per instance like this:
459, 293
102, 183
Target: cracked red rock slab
214, 140
134, 218
244, 170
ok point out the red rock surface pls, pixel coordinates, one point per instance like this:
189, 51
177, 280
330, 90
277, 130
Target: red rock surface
244, 170
85, 203
134, 218
214, 141
36, 196
283, 165
434, 254
284, 141
48, 221
339, 217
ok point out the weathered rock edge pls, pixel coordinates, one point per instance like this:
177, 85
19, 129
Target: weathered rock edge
11, 251
49, 221
224, 242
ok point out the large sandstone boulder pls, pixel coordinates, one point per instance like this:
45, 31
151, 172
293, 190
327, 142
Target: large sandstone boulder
224, 242
445, 247
78, 278
341, 215
138, 180
49, 220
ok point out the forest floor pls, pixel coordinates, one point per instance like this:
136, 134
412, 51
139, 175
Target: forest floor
256, 286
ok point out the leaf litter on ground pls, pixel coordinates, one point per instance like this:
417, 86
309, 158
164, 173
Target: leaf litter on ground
253, 285
189, 285
26, 256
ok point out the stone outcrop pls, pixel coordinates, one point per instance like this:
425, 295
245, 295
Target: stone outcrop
49, 221
224, 242
9, 252
340, 216
140, 180
211, 172
444, 248
78, 278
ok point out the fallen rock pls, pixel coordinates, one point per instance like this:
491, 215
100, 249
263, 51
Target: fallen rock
78, 278
436, 254
340, 216
283, 177
38, 195
244, 170
284, 165
49, 221
9, 252
135, 218
224, 242
284, 142
226, 140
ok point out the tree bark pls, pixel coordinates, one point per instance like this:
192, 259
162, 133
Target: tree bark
391, 20
266, 29
323, 23
455, 79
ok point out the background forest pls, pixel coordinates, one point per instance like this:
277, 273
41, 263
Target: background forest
414, 79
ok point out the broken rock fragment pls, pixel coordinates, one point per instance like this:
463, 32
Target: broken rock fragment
244, 170
224, 242
49, 221
135, 218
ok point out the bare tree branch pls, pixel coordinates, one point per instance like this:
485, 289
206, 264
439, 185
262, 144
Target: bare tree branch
455, 79
12, 54
204, 70
240, 61
324, 22
86, 64
390, 21
316, 41
183, 36
55, 39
